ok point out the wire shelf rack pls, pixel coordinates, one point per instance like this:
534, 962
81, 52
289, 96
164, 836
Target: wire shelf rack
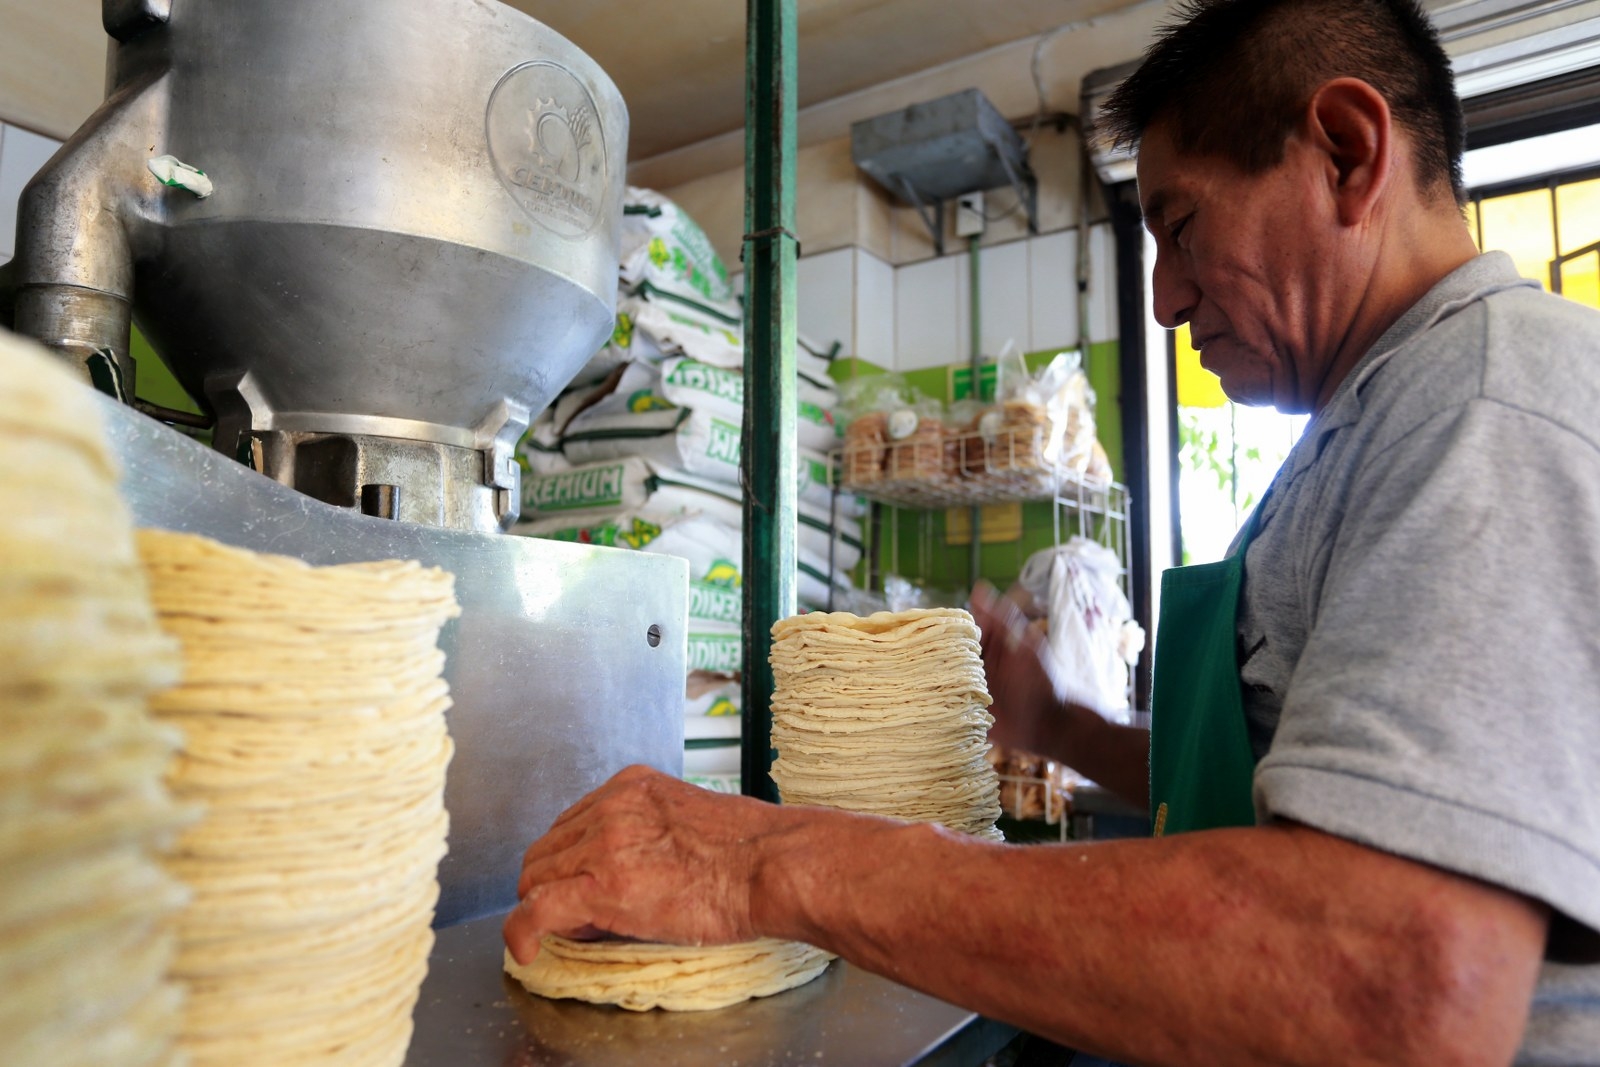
928, 471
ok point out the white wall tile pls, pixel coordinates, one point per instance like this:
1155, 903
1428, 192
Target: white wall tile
1053, 286
875, 312
825, 299
930, 300
1102, 283
1003, 294
21, 155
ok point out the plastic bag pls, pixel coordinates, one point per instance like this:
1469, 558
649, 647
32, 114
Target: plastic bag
1041, 426
864, 407
1091, 631
916, 436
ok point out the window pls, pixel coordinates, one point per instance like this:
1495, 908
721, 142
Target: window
1227, 456
1539, 200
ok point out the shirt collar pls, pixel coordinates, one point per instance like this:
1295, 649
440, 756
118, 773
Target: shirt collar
1467, 284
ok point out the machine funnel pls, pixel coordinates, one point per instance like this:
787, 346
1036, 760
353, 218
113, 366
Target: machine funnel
408, 247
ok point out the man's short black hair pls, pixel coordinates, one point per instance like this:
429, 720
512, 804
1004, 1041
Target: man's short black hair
1234, 76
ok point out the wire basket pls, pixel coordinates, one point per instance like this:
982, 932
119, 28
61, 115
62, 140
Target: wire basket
936, 468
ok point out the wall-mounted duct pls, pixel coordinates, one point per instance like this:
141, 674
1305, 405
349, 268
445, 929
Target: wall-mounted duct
936, 151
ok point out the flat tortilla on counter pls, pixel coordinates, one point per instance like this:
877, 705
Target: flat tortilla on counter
640, 975
86, 909
885, 715
314, 710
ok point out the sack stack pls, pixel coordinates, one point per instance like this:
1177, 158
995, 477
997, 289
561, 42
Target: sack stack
643, 449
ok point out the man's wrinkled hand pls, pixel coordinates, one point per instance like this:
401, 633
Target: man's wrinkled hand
644, 856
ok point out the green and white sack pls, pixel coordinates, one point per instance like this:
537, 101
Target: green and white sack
539, 452
715, 603
675, 492
695, 442
676, 327
688, 383
711, 696
588, 492
811, 579
674, 439
716, 783
715, 649
712, 548
712, 727
680, 382
627, 345
665, 249
711, 762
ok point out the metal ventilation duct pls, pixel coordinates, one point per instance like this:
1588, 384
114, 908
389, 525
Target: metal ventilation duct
932, 152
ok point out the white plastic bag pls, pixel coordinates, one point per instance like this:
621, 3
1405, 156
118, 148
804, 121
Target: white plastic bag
1093, 637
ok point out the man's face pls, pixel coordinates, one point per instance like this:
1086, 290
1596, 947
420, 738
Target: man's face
1243, 259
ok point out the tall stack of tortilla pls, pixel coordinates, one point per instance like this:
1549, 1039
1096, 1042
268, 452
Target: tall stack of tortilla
885, 714
313, 708
85, 907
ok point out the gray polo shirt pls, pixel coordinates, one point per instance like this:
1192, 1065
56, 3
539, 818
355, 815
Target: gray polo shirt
1419, 632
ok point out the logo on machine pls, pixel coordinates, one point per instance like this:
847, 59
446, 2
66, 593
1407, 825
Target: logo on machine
549, 148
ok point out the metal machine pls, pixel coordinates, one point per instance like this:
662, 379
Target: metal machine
373, 238
409, 247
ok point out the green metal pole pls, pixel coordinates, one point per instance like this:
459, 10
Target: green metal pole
768, 463
975, 359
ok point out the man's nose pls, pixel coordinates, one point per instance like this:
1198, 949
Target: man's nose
1173, 290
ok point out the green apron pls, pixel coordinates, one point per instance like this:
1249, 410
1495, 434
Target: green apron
1201, 764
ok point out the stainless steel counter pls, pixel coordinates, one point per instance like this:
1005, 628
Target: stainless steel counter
471, 1014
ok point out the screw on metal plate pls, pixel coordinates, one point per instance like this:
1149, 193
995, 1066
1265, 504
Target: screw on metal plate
127, 19
653, 635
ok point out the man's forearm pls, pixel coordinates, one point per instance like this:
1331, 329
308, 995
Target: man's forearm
1116, 757
1272, 945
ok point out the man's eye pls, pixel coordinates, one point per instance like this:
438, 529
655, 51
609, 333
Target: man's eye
1177, 228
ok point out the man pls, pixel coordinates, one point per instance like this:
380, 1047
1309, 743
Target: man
1411, 872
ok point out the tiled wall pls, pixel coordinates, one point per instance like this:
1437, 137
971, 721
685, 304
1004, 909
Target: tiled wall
21, 155
847, 296
918, 315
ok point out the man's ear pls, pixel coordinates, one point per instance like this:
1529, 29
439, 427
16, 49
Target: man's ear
1351, 126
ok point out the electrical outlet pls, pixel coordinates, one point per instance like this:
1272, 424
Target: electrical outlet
969, 215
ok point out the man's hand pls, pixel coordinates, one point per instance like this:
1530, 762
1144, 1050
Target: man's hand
1016, 660
645, 856
1031, 714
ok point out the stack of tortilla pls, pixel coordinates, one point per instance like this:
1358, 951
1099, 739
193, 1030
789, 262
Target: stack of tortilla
885, 714
640, 975
85, 907
313, 708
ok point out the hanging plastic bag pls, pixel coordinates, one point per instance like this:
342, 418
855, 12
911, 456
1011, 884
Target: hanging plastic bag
1092, 635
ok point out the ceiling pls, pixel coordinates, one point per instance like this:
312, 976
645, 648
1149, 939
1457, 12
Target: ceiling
680, 66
